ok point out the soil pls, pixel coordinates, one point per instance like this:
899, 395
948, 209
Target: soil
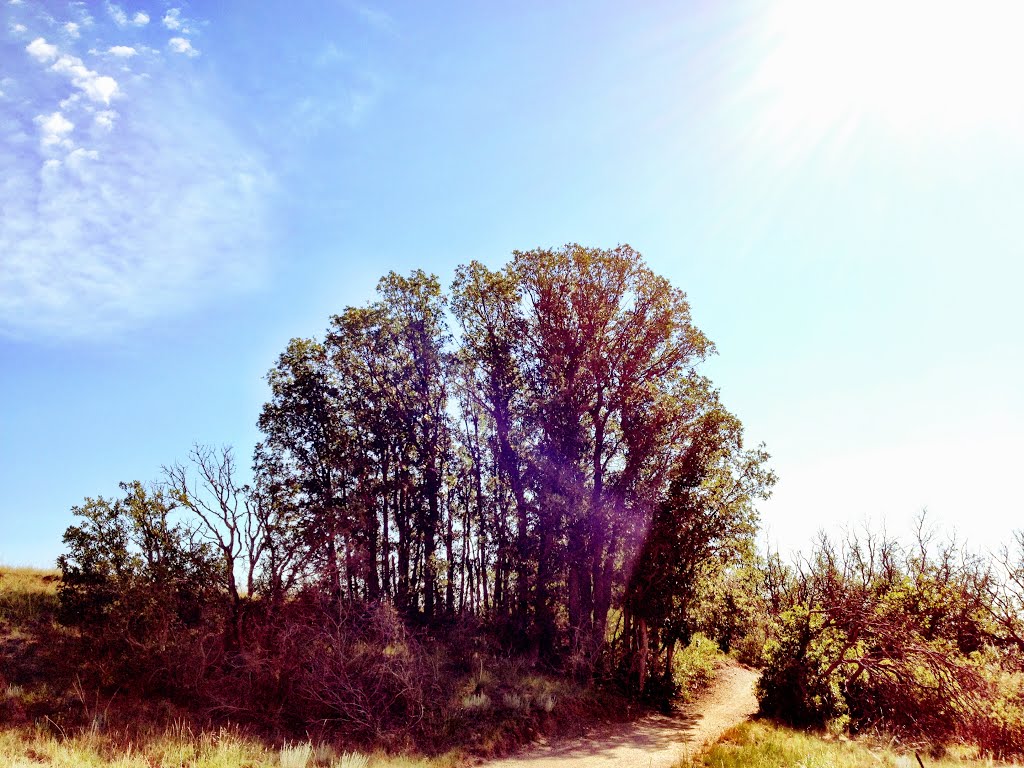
654, 741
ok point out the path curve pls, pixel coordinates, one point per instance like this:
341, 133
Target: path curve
654, 741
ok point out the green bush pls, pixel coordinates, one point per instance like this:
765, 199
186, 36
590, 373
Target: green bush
873, 636
693, 667
142, 591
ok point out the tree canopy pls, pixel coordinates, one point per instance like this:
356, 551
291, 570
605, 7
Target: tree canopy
534, 449
513, 467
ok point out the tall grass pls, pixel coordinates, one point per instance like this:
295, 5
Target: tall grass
225, 748
295, 755
27, 596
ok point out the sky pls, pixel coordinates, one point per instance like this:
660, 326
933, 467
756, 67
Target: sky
836, 186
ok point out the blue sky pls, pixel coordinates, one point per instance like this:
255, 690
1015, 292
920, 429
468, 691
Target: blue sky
183, 188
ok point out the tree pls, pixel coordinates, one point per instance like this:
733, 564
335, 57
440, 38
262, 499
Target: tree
229, 520
519, 466
305, 435
707, 514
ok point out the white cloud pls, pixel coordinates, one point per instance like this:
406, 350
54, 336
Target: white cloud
105, 119
19, 29
41, 51
77, 158
72, 29
117, 13
140, 19
53, 130
172, 19
181, 45
122, 51
15, 2
99, 88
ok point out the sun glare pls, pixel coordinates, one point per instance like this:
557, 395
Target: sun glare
912, 69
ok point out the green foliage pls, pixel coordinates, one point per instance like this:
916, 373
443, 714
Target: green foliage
877, 636
701, 531
730, 605
693, 667
140, 588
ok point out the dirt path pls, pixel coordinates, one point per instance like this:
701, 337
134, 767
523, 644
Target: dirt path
655, 741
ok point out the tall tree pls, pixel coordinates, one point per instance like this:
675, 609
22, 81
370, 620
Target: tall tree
305, 427
607, 340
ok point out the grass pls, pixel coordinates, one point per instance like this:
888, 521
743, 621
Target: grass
761, 744
27, 596
226, 748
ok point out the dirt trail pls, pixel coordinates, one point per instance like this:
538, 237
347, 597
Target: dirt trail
655, 741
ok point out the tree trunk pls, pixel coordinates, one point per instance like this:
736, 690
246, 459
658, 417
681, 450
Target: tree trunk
643, 652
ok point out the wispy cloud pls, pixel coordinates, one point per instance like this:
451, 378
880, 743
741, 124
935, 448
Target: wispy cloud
117, 13
124, 200
374, 17
122, 19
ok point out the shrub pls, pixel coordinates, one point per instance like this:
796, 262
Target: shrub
875, 636
142, 591
694, 666
366, 674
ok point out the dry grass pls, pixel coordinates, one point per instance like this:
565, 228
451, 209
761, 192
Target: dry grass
226, 748
27, 595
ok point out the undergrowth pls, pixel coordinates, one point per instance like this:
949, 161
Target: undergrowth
694, 666
52, 712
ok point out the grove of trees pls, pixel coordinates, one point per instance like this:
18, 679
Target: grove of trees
534, 451
528, 465
516, 470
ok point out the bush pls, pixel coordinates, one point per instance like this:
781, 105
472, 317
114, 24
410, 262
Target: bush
694, 666
142, 592
873, 636
366, 674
